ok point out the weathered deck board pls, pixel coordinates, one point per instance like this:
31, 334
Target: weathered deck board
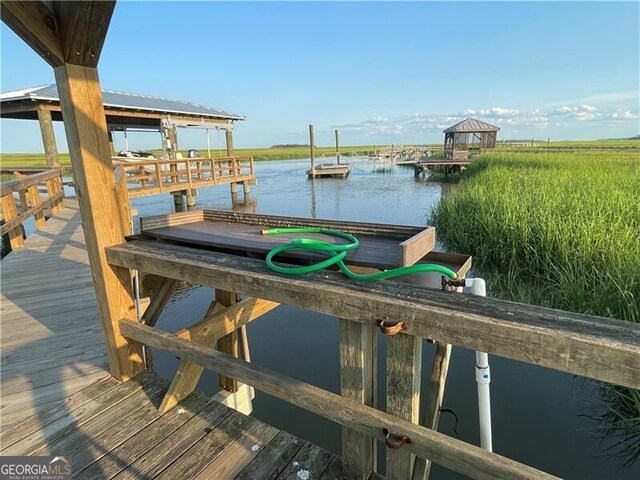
58, 398
51, 341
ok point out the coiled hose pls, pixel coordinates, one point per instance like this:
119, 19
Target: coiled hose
336, 253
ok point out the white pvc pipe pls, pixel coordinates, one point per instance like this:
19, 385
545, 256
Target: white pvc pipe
126, 141
477, 286
208, 144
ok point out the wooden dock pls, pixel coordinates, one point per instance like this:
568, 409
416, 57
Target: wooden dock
57, 397
51, 341
422, 166
329, 170
151, 177
114, 430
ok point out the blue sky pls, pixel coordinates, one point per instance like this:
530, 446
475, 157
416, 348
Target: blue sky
379, 72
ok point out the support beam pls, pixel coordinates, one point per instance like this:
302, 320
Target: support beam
48, 137
186, 378
357, 382
435, 395
155, 308
112, 148
9, 212
86, 130
34, 200
230, 343
83, 29
312, 151
37, 25
229, 140
404, 367
61, 32
217, 323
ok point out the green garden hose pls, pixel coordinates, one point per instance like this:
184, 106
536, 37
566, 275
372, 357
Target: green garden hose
336, 253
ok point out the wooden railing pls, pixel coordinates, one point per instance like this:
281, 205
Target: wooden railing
149, 177
32, 204
595, 347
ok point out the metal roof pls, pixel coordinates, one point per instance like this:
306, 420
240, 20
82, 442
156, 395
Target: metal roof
471, 125
129, 101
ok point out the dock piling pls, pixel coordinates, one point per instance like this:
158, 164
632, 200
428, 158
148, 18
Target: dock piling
312, 152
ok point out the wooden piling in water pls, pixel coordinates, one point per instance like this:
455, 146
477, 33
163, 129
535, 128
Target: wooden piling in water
312, 151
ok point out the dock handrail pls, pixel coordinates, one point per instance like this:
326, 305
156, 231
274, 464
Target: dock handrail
31, 203
152, 176
595, 347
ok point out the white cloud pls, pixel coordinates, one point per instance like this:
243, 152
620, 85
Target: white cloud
509, 119
624, 115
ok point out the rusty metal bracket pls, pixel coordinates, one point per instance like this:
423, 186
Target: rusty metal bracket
395, 443
391, 329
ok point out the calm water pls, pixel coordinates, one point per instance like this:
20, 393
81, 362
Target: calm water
540, 416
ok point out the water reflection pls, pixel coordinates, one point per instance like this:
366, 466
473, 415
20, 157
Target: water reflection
244, 203
314, 209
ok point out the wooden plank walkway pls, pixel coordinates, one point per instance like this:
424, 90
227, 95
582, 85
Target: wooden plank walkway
113, 430
51, 343
57, 398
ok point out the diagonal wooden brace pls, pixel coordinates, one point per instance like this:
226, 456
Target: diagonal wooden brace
218, 322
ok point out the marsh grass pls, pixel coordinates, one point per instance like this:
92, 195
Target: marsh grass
560, 230
259, 154
619, 420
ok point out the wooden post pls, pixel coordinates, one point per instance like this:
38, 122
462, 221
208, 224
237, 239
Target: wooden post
111, 146
191, 198
312, 151
217, 321
435, 394
337, 148
33, 196
173, 167
357, 382
9, 212
51, 191
48, 136
404, 365
229, 140
86, 130
178, 200
228, 344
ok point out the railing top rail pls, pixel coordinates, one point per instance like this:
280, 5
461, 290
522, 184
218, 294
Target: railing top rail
27, 181
595, 347
132, 162
26, 170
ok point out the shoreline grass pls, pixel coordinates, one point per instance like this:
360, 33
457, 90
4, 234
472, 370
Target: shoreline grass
560, 230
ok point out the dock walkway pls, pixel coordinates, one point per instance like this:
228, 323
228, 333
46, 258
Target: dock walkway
57, 397
51, 343
113, 430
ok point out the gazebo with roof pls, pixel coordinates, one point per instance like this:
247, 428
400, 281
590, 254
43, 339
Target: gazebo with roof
122, 111
469, 137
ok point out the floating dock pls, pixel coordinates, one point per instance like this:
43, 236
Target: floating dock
421, 167
329, 170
